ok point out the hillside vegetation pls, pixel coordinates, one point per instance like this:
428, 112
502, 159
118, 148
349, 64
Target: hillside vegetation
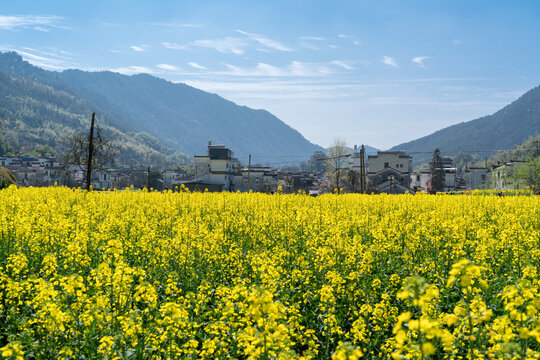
510, 126
162, 113
35, 118
521, 152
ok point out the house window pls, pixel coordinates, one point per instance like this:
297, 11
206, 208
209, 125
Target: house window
417, 177
483, 177
386, 165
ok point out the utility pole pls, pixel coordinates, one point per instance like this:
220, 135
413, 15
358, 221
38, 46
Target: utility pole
148, 179
249, 173
537, 145
362, 170
90, 153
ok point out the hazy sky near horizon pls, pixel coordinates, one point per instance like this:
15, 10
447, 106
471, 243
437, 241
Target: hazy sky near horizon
372, 72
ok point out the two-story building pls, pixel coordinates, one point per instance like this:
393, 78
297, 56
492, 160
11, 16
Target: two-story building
216, 168
390, 171
256, 178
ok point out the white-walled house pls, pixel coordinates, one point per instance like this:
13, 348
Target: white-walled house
260, 178
397, 160
476, 178
502, 177
390, 171
421, 180
216, 168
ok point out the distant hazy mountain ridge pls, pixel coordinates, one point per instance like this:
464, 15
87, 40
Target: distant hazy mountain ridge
178, 116
506, 128
37, 110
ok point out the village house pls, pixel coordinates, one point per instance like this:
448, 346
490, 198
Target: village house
421, 180
502, 176
256, 178
173, 178
216, 168
292, 182
390, 171
476, 178
449, 174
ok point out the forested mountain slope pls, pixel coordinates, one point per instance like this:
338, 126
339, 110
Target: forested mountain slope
502, 130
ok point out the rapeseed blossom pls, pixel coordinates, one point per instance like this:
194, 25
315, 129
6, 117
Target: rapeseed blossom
144, 274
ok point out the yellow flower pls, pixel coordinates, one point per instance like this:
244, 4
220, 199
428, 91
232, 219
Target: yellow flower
428, 348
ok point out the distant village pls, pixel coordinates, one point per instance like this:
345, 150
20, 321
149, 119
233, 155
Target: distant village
386, 172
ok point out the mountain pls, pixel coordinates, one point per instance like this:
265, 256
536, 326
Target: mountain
179, 116
37, 112
185, 118
502, 130
521, 152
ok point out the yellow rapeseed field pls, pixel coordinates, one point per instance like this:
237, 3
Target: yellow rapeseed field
149, 275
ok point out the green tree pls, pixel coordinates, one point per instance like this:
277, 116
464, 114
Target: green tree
4, 146
529, 174
437, 172
462, 161
6, 178
315, 165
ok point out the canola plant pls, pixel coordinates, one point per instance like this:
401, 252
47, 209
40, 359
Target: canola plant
149, 275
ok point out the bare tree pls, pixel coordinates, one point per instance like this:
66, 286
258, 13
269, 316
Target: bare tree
336, 162
89, 151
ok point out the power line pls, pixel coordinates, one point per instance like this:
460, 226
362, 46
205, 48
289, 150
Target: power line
465, 151
292, 157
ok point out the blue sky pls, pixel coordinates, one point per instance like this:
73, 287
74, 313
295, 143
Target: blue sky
372, 72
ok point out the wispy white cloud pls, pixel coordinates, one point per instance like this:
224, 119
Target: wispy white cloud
456, 42
354, 41
42, 29
264, 41
196, 66
343, 64
168, 67
49, 52
226, 45
111, 25
310, 46
40, 23
389, 61
175, 25
428, 101
314, 38
294, 69
133, 69
419, 60
278, 89
138, 48
232, 45
50, 58
174, 46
